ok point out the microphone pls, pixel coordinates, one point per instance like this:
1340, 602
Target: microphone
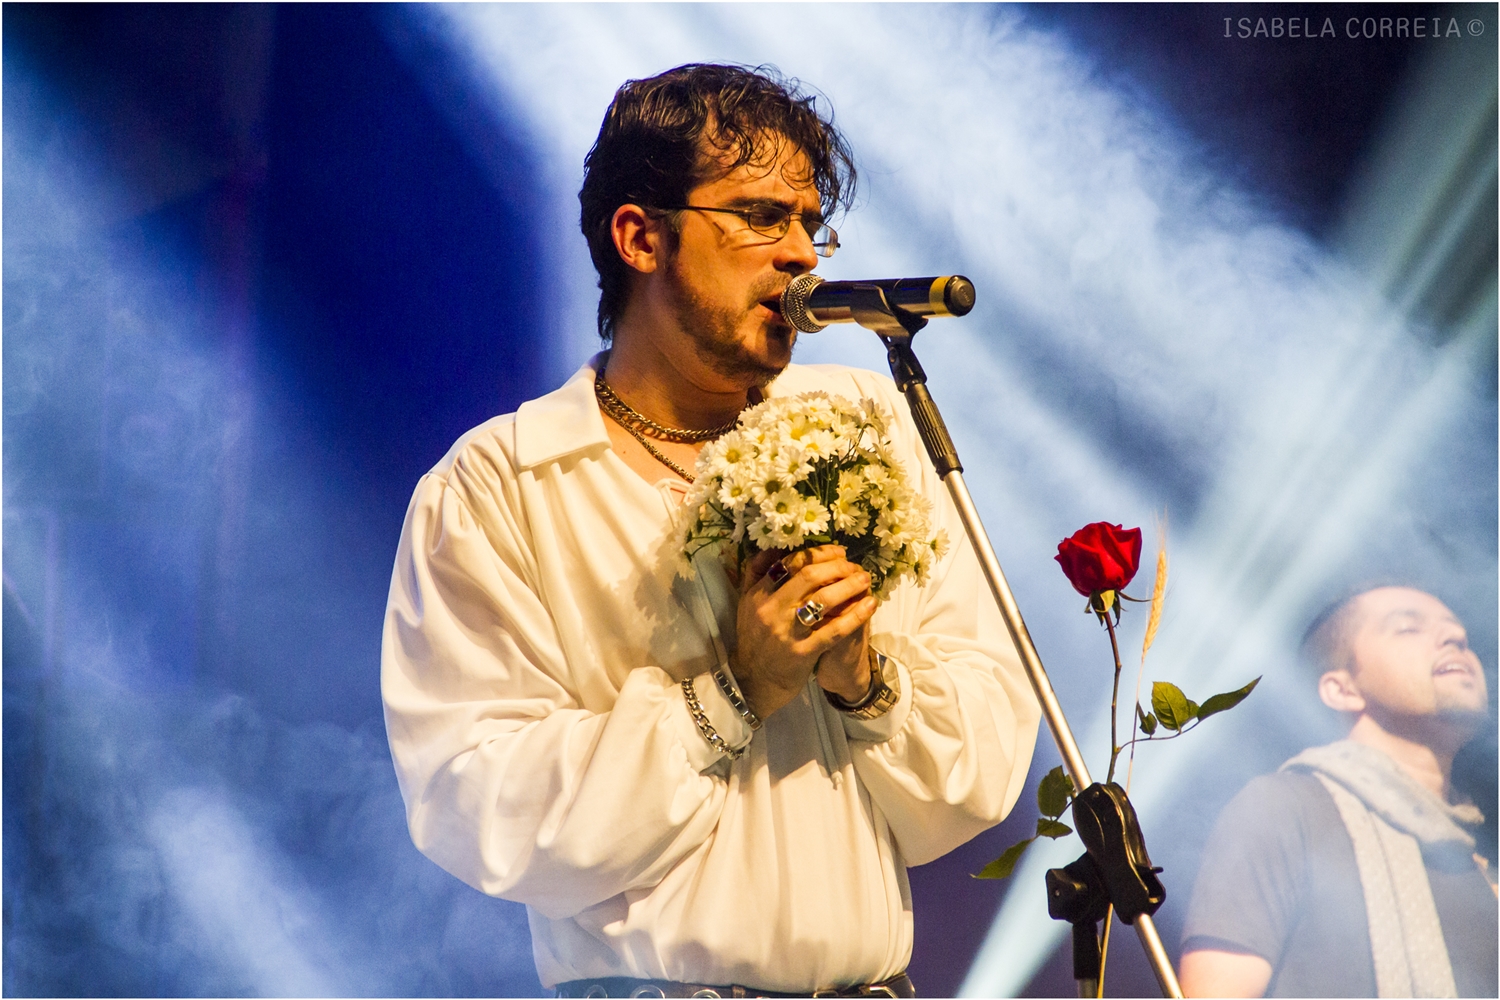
810, 303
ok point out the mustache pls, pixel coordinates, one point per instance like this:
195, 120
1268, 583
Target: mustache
769, 287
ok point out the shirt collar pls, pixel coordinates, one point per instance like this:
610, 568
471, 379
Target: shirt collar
565, 421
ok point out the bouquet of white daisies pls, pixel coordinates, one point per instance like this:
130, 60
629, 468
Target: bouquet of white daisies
811, 470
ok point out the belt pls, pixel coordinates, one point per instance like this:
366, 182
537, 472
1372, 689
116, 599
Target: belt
624, 986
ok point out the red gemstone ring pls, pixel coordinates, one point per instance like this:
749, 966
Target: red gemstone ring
778, 573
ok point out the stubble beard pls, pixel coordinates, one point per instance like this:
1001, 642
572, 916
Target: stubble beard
713, 330
1465, 714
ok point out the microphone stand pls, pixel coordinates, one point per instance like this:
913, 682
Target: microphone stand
1114, 868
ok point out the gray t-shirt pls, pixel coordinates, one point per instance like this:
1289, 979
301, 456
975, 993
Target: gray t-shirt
1279, 880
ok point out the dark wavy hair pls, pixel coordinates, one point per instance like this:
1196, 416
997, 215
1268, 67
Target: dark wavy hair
654, 146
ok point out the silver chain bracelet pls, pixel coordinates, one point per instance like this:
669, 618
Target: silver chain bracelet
700, 718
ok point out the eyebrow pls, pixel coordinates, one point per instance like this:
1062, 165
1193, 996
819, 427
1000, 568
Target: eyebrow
786, 205
1411, 614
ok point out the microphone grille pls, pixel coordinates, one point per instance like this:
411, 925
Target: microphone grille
794, 303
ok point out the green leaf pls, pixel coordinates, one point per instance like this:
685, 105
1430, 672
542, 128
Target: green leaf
1053, 793
1052, 828
1171, 705
1224, 702
1002, 866
1148, 720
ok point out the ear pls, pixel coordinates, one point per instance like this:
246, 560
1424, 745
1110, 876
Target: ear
1340, 693
639, 238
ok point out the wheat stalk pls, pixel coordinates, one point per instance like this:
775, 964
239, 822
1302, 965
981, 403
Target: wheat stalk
1158, 598
1153, 621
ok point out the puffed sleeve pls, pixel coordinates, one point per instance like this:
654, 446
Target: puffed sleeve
509, 784
950, 759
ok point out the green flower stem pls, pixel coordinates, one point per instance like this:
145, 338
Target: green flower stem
1114, 700
1114, 757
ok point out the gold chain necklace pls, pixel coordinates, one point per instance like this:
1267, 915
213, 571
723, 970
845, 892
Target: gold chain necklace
621, 410
638, 425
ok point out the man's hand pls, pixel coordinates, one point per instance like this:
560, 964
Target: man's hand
777, 653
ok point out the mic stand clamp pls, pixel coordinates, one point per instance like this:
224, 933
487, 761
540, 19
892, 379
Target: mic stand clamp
1115, 867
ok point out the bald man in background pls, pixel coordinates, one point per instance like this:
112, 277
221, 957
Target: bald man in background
1352, 870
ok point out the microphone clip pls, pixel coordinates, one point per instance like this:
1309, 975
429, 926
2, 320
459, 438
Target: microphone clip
895, 328
873, 311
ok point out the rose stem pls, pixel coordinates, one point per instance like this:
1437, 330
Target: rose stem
1114, 698
1114, 756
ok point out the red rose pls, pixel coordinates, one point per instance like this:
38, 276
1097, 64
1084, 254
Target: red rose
1100, 557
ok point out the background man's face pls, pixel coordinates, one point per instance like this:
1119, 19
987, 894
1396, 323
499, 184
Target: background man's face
725, 280
1410, 657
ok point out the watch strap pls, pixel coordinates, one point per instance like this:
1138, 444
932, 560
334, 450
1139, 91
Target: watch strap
878, 700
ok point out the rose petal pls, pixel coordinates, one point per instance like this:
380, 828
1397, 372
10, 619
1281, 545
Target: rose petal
1100, 556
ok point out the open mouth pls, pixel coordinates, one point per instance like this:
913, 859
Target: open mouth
1446, 669
773, 304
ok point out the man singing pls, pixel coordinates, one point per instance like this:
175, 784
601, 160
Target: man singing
695, 791
1352, 872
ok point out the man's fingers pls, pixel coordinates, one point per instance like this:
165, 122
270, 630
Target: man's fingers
762, 567
757, 566
833, 629
841, 591
811, 580
782, 612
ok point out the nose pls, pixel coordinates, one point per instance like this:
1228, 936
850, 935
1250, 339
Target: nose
794, 251
1452, 634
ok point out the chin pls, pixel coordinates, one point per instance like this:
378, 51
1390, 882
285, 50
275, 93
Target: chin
1463, 711
748, 368
780, 341
761, 359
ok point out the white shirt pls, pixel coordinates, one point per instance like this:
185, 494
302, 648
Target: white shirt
534, 641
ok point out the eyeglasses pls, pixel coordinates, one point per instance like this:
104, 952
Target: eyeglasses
773, 221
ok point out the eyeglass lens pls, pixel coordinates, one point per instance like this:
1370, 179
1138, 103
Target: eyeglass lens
774, 221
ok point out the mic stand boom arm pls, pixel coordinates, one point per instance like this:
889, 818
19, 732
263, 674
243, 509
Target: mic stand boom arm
1115, 868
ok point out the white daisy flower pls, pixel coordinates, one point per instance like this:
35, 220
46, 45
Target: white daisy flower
761, 533
791, 465
939, 544
725, 455
892, 530
921, 566
813, 518
765, 482
851, 483
850, 516
733, 493
782, 507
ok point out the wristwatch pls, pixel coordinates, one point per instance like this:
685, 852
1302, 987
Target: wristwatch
881, 697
